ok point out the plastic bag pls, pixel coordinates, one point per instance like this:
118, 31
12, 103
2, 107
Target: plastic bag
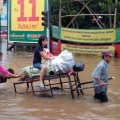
67, 57
63, 62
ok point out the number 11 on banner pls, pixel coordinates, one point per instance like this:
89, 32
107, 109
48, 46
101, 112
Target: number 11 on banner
33, 10
26, 15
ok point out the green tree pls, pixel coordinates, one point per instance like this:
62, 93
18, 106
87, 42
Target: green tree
83, 20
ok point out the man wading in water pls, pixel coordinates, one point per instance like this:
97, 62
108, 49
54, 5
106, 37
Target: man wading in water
100, 75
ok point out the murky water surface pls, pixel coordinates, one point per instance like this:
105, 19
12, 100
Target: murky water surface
62, 106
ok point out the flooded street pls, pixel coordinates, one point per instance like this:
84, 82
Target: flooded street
62, 106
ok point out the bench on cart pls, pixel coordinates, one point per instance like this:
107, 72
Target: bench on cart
71, 78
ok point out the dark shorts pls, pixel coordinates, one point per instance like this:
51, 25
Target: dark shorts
101, 96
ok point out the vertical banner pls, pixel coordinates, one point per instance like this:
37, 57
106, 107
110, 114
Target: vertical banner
25, 20
117, 35
55, 47
56, 32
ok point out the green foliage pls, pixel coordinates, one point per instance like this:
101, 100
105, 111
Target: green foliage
72, 7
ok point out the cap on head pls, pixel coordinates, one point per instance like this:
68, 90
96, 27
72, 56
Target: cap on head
107, 53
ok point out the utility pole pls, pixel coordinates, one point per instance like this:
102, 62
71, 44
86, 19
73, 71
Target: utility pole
115, 14
59, 17
60, 14
47, 21
1, 5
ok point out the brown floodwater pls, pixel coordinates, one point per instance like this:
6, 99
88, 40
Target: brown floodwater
61, 106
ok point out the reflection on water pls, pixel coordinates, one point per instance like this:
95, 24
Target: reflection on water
61, 107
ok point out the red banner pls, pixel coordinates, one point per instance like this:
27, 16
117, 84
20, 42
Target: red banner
55, 47
117, 50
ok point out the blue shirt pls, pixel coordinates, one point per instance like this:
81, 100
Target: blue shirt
37, 56
101, 72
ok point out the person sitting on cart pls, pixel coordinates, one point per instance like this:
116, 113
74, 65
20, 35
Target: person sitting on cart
40, 54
